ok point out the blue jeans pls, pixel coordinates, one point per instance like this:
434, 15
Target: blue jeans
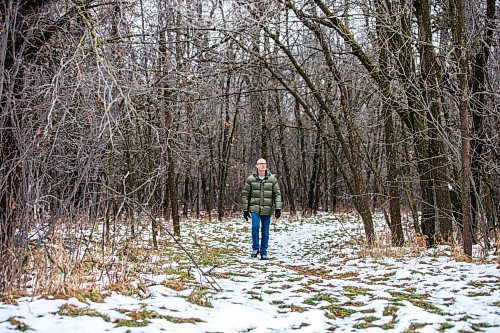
257, 220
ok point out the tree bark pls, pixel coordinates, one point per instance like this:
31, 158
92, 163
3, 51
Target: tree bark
313, 180
432, 79
289, 192
461, 54
301, 136
222, 174
395, 223
477, 106
168, 141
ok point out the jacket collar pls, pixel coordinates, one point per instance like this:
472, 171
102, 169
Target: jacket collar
256, 173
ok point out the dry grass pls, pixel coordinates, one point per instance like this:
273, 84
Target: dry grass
416, 245
84, 267
18, 324
176, 285
199, 296
383, 248
77, 264
84, 295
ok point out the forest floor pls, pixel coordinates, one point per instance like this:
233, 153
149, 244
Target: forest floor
320, 278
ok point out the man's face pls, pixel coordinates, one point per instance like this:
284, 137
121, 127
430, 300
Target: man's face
261, 165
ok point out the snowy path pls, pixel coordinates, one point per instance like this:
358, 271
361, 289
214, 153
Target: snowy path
317, 281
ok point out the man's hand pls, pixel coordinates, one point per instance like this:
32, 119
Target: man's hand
246, 215
277, 213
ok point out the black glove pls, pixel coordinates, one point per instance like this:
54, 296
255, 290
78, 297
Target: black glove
246, 215
277, 213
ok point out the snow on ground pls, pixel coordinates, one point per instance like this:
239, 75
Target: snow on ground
319, 279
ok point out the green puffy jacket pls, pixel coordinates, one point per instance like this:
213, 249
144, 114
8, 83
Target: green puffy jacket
261, 196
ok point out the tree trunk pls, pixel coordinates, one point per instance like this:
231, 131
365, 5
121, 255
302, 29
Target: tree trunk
289, 192
222, 174
313, 180
432, 78
416, 123
428, 219
168, 114
478, 102
301, 137
395, 224
172, 186
461, 53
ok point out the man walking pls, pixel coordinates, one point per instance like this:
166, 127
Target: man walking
261, 195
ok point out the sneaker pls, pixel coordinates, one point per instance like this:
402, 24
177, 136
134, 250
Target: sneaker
255, 253
264, 257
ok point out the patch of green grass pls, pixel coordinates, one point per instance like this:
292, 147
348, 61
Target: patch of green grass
92, 294
408, 296
320, 297
389, 325
132, 323
378, 279
336, 311
353, 303
366, 322
445, 326
314, 281
299, 278
182, 272
278, 276
362, 325
479, 326
310, 289
18, 325
142, 318
410, 290
74, 311
238, 274
211, 256
417, 300
353, 291
178, 320
427, 306
475, 284
367, 311
302, 290
199, 296
477, 293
